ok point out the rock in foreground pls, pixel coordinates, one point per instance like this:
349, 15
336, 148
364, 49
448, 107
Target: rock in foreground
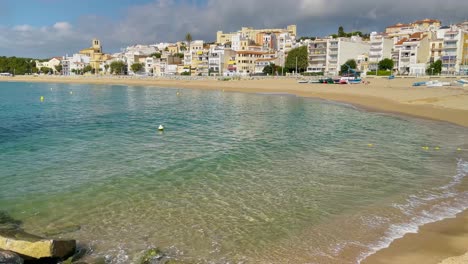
8, 257
31, 246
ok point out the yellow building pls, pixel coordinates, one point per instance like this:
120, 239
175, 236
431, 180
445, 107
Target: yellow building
426, 24
95, 54
173, 49
464, 60
246, 61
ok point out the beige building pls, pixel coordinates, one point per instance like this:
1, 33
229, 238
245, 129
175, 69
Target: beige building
426, 24
97, 57
251, 33
246, 61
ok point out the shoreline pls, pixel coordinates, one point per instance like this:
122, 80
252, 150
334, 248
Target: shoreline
448, 104
441, 242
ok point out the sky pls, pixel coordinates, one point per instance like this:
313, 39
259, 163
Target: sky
48, 28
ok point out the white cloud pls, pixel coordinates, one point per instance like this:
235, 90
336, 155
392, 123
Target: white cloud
22, 28
169, 20
64, 26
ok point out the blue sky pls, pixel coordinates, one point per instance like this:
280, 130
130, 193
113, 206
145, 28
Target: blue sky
47, 12
46, 28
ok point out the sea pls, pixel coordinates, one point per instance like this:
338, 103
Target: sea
233, 178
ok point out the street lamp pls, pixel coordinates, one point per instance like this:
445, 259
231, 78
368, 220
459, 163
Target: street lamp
432, 69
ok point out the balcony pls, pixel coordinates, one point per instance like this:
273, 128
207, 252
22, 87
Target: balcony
450, 47
333, 47
317, 53
318, 59
376, 48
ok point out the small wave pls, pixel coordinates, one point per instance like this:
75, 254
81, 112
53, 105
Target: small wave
442, 210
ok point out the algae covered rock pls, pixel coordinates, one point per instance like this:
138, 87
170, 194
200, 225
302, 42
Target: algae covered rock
152, 256
36, 247
8, 257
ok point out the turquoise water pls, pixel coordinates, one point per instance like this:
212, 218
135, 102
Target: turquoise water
234, 178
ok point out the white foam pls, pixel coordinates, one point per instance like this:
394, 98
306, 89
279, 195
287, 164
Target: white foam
437, 212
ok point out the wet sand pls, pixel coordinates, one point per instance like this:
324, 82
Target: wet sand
434, 242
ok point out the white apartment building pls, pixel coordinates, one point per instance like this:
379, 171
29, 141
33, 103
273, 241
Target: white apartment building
340, 50
260, 64
318, 55
414, 54
286, 42
72, 65
380, 48
452, 51
216, 59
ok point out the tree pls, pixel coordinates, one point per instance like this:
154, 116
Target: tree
351, 63
136, 67
434, 68
59, 68
386, 64
118, 67
106, 67
156, 55
45, 69
269, 69
299, 55
188, 38
87, 68
341, 32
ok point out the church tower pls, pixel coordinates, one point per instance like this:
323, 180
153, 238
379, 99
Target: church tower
97, 46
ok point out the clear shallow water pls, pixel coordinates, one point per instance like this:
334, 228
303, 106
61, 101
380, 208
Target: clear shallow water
235, 178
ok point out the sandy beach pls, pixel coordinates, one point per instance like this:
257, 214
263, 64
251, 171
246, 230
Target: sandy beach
446, 240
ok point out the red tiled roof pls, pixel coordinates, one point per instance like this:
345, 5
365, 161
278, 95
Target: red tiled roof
416, 35
401, 41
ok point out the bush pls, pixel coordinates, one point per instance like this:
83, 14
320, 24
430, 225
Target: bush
379, 73
185, 73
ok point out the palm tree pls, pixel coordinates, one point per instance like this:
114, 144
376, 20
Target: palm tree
188, 38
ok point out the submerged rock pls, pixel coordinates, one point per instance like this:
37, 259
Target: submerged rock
58, 230
8, 223
152, 256
36, 247
8, 257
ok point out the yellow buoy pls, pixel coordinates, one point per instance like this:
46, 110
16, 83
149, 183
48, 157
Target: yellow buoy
178, 93
370, 145
42, 98
161, 128
436, 148
459, 149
